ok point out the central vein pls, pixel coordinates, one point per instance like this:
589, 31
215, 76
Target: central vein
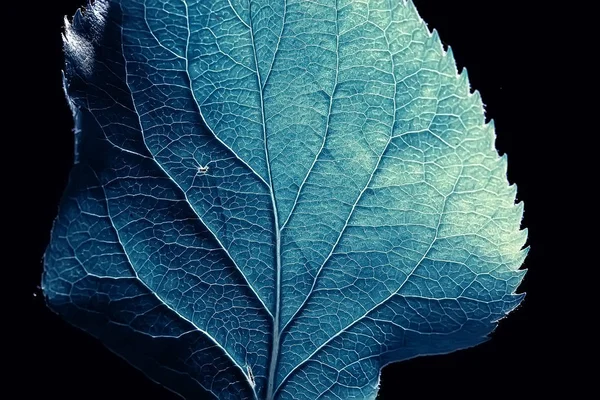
275, 331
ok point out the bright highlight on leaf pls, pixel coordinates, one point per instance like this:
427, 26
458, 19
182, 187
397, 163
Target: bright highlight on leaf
273, 199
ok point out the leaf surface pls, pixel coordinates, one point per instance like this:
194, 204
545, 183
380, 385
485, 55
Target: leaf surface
275, 199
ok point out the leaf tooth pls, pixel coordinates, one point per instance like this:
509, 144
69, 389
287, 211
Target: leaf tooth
89, 21
463, 81
78, 19
412, 11
67, 23
477, 106
517, 275
519, 208
520, 260
512, 189
478, 100
410, 5
516, 301
513, 300
434, 40
512, 192
64, 36
448, 62
503, 165
451, 61
518, 242
491, 134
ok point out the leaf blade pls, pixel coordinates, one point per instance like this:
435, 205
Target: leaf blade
320, 218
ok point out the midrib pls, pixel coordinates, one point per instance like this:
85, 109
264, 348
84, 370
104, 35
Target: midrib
275, 331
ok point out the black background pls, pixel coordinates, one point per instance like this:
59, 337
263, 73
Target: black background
506, 49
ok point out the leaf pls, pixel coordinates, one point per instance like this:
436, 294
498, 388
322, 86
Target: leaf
275, 199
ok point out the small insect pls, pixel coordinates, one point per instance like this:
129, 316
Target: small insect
203, 169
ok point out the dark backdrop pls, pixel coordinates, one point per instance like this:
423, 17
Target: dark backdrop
503, 46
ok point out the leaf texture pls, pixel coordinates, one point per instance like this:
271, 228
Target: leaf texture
275, 199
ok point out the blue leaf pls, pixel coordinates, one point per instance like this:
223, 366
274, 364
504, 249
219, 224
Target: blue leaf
275, 199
